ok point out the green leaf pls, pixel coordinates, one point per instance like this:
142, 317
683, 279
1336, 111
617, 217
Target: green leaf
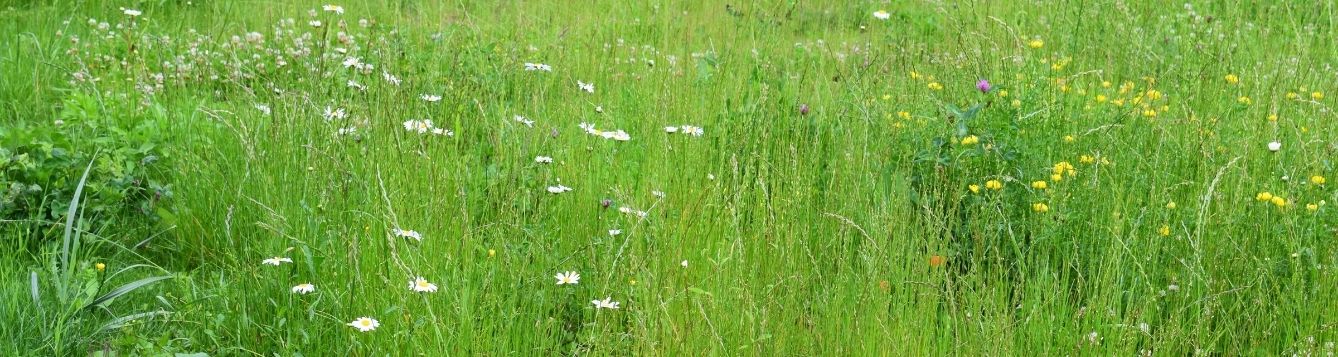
126, 289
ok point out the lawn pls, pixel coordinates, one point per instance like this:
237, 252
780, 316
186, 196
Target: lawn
677, 178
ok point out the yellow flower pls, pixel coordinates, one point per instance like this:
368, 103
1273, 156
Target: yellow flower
492, 253
1069, 138
1017, 103
1164, 230
970, 140
1317, 95
1086, 159
974, 188
100, 266
1317, 179
1056, 177
1036, 43
1100, 98
1273, 117
1039, 185
1170, 205
1312, 207
935, 86
1279, 201
1244, 100
915, 75
994, 185
887, 97
1263, 196
1150, 113
904, 114
1232, 79
1040, 207
1003, 93
1105, 84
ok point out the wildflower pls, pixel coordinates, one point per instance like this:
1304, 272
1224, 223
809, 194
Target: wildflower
1036, 43
1040, 207
671, 129
131, 12
684, 263
568, 278
1317, 179
983, 86
333, 113
937, 260
1272, 117
543, 159
315, 23
365, 324
100, 266
1170, 205
408, 234
882, 15
904, 115
974, 188
1278, 201
395, 81
970, 140
587, 87
1317, 95
1100, 98
421, 285
275, 261
1164, 230
304, 288
430, 98
803, 109
558, 189
615, 232
1232, 79
657, 193
492, 253
935, 86
334, 8
994, 185
1274, 146
1263, 196
1086, 159
1244, 100
538, 67
1056, 177
1039, 185
607, 303
1311, 207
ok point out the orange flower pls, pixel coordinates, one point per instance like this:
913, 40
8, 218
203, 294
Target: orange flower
937, 261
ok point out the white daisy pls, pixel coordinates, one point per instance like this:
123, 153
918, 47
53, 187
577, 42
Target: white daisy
599, 109
408, 234
684, 263
418, 126
430, 98
615, 232
352, 62
543, 159
567, 278
1274, 146
355, 85
442, 131
275, 261
390, 78
333, 8
131, 12
332, 113
587, 87
365, 324
882, 15
422, 285
346, 131
607, 303
304, 288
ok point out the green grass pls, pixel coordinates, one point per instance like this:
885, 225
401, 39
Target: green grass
854, 228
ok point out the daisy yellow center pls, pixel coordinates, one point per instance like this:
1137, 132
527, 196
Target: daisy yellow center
422, 283
365, 322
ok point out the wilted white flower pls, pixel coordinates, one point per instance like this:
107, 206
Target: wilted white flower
315, 23
422, 285
625, 209
657, 193
567, 278
365, 324
587, 87
1274, 146
355, 85
599, 109
442, 131
615, 232
607, 303
131, 12
333, 8
408, 234
263, 108
346, 131
352, 62
395, 81
431, 98
537, 67
671, 129
882, 15
543, 159
275, 261
304, 289
684, 263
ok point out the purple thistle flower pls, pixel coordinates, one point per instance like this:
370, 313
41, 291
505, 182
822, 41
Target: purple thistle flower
803, 109
983, 86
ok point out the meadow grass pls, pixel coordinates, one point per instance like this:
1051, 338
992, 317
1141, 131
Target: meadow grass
854, 190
